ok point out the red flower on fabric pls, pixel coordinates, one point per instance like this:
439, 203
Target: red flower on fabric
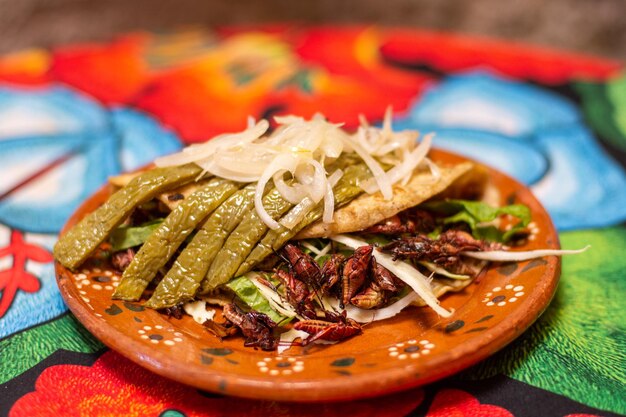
113, 73
202, 84
29, 67
16, 278
336, 72
457, 403
115, 386
582, 415
453, 53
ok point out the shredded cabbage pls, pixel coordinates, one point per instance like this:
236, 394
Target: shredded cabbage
197, 310
433, 267
288, 337
507, 256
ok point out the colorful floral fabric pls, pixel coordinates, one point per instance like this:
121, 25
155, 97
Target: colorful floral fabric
74, 115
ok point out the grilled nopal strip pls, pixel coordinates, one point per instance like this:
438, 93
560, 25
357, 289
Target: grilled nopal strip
165, 197
242, 240
166, 239
183, 280
78, 243
346, 189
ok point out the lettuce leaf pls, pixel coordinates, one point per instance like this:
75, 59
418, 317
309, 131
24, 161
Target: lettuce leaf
125, 237
249, 294
475, 214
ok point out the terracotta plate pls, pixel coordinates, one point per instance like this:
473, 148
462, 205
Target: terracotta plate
413, 348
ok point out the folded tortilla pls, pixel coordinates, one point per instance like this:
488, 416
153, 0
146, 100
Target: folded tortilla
465, 180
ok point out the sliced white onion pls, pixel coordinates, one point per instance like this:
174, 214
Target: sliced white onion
329, 197
297, 213
435, 172
412, 160
197, 310
251, 159
287, 119
201, 151
332, 136
329, 205
404, 271
391, 145
315, 181
361, 315
300, 210
397, 173
381, 180
218, 299
443, 272
293, 193
208, 165
324, 251
288, 337
304, 148
318, 252
505, 256
383, 142
386, 130
332, 145
315, 136
364, 123
335, 177
284, 162
310, 247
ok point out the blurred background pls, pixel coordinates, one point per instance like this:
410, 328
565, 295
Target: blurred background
590, 26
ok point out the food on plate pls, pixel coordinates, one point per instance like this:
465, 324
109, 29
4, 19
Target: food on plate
304, 232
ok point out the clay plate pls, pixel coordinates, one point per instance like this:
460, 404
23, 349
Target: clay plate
411, 349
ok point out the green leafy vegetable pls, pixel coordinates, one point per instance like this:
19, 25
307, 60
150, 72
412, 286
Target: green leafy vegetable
250, 294
475, 214
321, 260
128, 236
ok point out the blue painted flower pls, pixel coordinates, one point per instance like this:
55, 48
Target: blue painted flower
141, 138
534, 135
58, 146
47, 111
480, 101
516, 158
584, 186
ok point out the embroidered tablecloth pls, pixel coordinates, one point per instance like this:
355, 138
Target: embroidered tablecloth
76, 114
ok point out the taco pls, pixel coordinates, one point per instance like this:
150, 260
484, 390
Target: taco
307, 231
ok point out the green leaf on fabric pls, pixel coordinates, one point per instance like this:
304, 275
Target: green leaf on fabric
577, 347
23, 350
250, 294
